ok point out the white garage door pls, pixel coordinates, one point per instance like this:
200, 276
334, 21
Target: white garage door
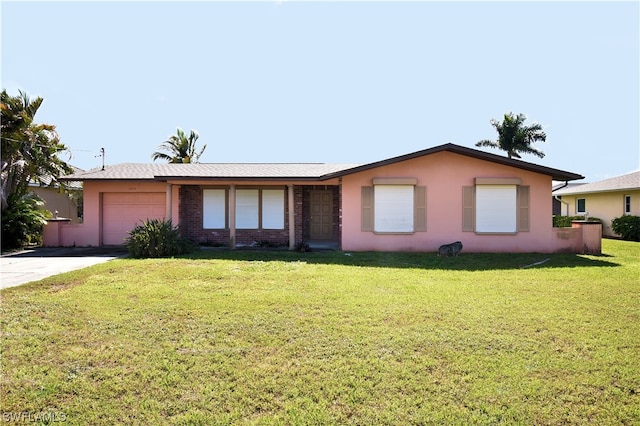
121, 212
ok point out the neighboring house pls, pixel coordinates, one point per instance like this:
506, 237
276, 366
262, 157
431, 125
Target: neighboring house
414, 202
63, 204
606, 199
560, 209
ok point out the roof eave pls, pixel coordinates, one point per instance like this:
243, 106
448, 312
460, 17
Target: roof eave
236, 178
79, 179
599, 191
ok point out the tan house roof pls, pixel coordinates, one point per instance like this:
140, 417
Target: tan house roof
629, 181
291, 171
71, 184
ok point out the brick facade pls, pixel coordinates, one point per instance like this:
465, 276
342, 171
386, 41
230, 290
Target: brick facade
191, 210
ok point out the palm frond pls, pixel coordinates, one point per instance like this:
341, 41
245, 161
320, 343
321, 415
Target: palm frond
514, 136
179, 148
488, 143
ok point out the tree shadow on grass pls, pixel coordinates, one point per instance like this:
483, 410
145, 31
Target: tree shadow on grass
464, 262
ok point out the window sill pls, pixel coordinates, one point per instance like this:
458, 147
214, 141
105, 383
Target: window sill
394, 233
496, 233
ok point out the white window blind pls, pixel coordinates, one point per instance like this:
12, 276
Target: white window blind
213, 209
393, 207
496, 208
247, 209
273, 209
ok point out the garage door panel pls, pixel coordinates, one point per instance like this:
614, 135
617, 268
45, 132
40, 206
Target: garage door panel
121, 212
158, 198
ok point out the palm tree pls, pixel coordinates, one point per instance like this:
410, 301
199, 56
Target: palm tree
29, 150
179, 148
514, 137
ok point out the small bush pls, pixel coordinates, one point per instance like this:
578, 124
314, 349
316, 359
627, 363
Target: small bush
302, 247
210, 243
628, 227
157, 238
565, 221
267, 244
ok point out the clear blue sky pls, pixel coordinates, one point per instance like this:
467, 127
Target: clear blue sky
334, 82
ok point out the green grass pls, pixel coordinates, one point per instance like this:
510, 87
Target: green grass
271, 337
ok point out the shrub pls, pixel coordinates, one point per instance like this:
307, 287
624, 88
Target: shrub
267, 244
157, 238
565, 221
210, 243
302, 247
628, 227
22, 221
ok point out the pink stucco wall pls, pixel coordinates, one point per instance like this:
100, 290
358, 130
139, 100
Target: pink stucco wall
88, 234
444, 174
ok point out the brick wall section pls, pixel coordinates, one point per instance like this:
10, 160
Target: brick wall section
191, 221
191, 218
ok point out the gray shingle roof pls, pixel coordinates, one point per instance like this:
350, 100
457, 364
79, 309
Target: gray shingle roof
291, 171
135, 171
618, 183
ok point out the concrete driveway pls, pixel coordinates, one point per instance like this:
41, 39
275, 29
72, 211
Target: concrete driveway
36, 264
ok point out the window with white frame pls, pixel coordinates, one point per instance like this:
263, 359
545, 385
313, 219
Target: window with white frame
581, 206
627, 204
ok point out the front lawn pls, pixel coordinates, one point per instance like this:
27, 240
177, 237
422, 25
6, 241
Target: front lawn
268, 337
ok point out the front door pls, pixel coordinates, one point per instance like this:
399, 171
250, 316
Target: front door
321, 215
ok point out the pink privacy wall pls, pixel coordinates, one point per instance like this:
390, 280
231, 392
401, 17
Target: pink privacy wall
88, 233
444, 174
